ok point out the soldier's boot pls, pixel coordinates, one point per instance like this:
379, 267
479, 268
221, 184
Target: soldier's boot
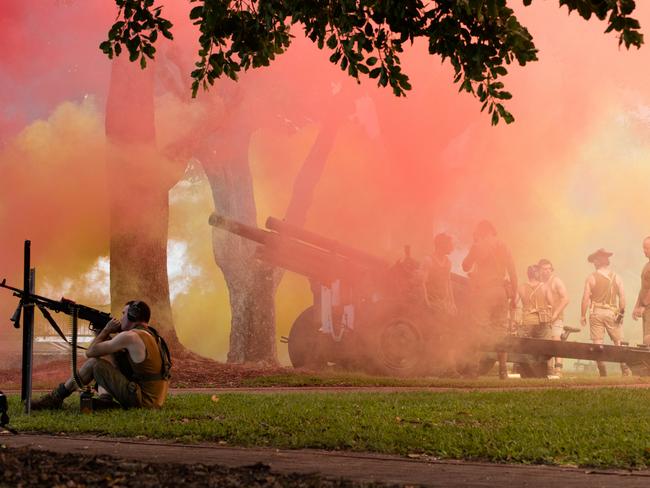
558, 369
503, 371
602, 369
502, 358
625, 369
53, 400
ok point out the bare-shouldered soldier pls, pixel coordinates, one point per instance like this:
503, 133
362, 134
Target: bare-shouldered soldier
560, 300
642, 306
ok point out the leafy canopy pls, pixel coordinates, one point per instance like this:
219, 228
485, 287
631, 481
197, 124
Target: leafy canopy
365, 37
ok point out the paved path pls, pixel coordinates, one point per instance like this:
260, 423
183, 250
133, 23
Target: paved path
354, 466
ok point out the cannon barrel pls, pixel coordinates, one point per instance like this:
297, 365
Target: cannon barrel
296, 255
246, 231
325, 243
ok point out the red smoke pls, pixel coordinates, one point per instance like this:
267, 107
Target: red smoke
398, 171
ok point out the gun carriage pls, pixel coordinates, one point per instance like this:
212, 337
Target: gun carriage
370, 315
366, 313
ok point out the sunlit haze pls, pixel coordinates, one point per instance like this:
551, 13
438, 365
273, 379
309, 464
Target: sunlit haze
568, 177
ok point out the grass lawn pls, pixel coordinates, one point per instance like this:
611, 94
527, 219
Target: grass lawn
597, 427
339, 379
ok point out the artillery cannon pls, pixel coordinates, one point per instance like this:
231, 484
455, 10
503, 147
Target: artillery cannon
367, 314
370, 315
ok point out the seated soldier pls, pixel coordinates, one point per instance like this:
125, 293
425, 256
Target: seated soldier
132, 367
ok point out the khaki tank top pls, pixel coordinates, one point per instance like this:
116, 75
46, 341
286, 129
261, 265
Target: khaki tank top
438, 276
535, 306
534, 297
556, 296
491, 260
603, 293
154, 392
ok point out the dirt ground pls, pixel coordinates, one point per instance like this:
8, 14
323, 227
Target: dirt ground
23, 467
52, 460
193, 372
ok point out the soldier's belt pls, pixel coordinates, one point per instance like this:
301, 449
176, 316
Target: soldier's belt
603, 306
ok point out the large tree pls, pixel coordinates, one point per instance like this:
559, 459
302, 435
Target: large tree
252, 284
479, 38
365, 37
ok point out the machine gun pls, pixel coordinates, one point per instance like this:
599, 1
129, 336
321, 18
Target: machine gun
96, 318
367, 313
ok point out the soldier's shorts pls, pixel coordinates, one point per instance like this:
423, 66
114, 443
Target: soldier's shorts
541, 331
490, 310
646, 324
535, 331
127, 393
601, 320
557, 328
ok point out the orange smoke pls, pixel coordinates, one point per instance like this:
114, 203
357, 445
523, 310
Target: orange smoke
568, 177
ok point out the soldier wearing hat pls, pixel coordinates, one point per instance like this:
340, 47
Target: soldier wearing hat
604, 297
642, 307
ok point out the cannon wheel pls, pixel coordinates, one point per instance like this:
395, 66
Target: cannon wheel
305, 342
396, 343
485, 364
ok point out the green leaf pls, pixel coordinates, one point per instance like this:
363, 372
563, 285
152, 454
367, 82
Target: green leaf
196, 13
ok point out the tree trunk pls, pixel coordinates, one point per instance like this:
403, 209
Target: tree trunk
250, 283
139, 207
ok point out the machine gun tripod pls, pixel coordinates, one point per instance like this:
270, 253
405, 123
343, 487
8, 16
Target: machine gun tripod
96, 318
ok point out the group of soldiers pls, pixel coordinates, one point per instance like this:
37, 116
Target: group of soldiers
499, 305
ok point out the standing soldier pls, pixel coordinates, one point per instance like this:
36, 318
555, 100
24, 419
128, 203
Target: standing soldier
604, 297
439, 297
559, 299
535, 306
642, 307
488, 262
437, 276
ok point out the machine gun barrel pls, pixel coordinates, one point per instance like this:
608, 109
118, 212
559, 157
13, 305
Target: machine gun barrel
97, 318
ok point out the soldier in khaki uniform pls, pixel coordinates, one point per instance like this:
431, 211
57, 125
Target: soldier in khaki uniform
604, 297
535, 306
439, 297
437, 276
642, 306
559, 300
488, 263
